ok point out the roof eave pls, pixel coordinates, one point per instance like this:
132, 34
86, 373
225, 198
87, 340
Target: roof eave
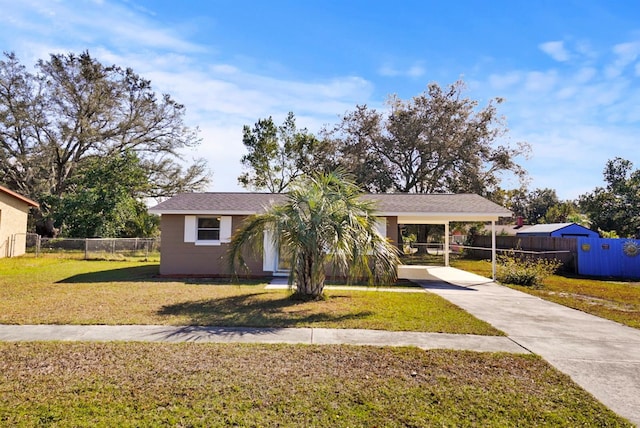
19, 197
199, 212
408, 216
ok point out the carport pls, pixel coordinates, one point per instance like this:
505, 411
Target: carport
438, 209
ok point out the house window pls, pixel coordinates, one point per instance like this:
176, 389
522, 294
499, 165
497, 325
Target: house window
208, 229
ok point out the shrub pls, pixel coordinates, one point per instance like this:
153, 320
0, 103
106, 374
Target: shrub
526, 271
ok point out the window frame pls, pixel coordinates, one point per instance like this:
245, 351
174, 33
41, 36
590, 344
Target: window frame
208, 229
191, 228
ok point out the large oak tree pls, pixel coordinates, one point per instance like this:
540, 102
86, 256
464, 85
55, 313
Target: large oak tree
615, 207
438, 141
73, 107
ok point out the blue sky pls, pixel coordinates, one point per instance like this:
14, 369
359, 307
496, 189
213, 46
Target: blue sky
568, 70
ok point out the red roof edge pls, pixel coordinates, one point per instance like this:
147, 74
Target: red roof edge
18, 196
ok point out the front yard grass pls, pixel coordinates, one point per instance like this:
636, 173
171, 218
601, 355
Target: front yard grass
614, 300
187, 384
64, 291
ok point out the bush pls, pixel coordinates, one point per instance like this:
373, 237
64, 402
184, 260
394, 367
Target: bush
525, 271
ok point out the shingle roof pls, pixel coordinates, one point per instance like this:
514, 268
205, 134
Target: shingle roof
407, 203
387, 203
247, 203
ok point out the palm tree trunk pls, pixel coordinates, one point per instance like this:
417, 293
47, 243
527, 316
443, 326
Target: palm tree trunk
310, 279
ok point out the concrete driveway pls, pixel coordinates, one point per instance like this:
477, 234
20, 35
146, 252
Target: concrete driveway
600, 355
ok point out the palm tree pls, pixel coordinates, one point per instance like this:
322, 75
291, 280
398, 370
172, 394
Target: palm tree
323, 226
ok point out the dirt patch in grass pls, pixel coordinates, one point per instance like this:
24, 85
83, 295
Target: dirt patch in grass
594, 301
133, 384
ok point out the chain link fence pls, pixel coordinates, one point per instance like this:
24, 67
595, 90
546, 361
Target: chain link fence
95, 248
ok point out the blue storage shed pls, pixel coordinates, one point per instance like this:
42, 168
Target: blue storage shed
559, 230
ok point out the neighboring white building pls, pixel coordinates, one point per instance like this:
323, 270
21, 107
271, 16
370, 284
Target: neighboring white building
14, 210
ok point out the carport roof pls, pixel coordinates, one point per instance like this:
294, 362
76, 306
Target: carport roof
408, 205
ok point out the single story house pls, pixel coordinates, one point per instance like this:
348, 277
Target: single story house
14, 210
558, 230
197, 227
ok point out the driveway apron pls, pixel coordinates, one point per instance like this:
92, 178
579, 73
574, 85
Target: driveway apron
602, 356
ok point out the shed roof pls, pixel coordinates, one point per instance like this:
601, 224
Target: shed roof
547, 228
19, 197
400, 204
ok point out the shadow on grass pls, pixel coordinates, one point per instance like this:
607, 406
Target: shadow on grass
254, 310
149, 273
128, 274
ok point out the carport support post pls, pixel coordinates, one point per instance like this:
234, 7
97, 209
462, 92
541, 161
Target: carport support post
446, 244
493, 250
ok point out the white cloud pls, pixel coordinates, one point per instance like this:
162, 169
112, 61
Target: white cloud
576, 116
91, 23
537, 81
585, 50
415, 70
584, 75
388, 71
504, 81
555, 50
625, 54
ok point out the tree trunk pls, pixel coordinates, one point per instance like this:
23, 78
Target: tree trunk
44, 226
310, 279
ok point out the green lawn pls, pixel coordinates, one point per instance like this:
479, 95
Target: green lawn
64, 291
614, 300
134, 384
187, 384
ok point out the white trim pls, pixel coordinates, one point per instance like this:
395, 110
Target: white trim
191, 231
444, 218
225, 228
201, 212
190, 228
446, 244
270, 253
443, 214
211, 243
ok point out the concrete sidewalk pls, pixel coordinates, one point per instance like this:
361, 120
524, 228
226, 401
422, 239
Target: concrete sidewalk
204, 334
600, 355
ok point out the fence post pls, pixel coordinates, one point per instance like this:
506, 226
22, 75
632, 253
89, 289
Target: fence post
38, 245
493, 250
86, 248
